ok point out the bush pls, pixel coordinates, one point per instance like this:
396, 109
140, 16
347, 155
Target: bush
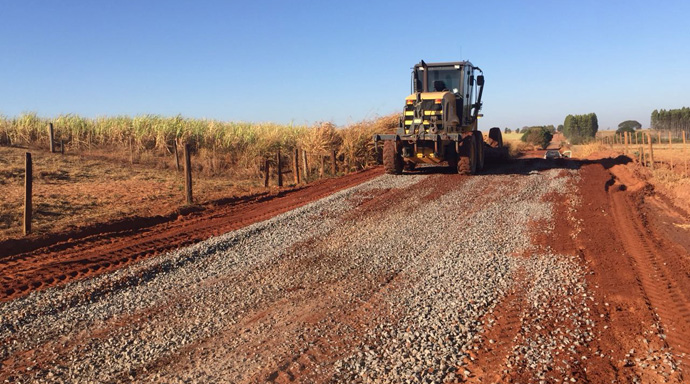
539, 136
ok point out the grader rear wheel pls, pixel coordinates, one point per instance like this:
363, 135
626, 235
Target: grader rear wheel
392, 161
467, 162
480, 149
495, 137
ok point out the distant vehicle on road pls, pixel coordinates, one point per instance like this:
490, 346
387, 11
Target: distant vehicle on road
552, 154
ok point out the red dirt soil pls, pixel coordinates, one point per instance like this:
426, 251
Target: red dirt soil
638, 270
27, 266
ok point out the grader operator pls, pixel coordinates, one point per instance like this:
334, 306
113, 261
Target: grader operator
439, 121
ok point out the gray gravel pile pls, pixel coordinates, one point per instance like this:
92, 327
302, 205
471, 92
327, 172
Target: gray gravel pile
457, 288
431, 268
190, 284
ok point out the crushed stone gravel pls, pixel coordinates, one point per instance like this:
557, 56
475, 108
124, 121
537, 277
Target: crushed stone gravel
429, 268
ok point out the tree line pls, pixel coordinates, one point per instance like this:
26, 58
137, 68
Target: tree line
674, 120
580, 128
576, 128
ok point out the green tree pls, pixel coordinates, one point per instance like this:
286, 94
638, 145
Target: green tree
629, 126
507, 130
674, 120
580, 128
560, 128
539, 135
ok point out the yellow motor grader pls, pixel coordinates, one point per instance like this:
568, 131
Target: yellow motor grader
439, 121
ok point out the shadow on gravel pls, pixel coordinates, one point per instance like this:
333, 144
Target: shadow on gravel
526, 166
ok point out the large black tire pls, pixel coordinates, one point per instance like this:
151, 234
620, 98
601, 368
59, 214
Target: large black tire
467, 159
392, 161
496, 137
480, 149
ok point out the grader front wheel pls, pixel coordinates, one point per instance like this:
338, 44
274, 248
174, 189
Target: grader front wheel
392, 161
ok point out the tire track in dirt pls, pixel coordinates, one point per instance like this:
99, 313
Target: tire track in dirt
93, 255
628, 346
665, 286
490, 363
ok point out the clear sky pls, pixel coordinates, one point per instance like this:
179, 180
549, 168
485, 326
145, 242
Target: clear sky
341, 61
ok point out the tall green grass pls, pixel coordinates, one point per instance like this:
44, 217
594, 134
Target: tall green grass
220, 145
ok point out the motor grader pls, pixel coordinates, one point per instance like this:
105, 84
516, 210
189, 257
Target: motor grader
439, 121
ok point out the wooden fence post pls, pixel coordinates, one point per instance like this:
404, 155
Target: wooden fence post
177, 156
670, 150
51, 137
295, 165
280, 170
187, 174
642, 159
305, 166
28, 178
62, 147
267, 168
625, 139
335, 169
659, 139
651, 152
685, 156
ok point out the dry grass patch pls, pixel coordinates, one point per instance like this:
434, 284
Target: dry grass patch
121, 166
73, 191
584, 150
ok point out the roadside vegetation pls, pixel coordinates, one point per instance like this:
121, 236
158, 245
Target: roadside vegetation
219, 147
539, 136
579, 129
119, 167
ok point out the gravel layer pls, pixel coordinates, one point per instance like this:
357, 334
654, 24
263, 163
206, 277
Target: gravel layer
341, 289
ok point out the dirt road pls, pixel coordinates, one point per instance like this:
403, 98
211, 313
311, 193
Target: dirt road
533, 271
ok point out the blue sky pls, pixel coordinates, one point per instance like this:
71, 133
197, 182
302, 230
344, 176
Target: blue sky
340, 61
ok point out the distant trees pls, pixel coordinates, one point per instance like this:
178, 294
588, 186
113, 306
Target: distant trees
675, 120
625, 129
580, 128
560, 128
538, 135
629, 126
507, 130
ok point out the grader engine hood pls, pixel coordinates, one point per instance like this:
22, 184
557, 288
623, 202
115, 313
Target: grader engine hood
430, 112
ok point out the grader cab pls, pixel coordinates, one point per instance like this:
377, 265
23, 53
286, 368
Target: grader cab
439, 121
